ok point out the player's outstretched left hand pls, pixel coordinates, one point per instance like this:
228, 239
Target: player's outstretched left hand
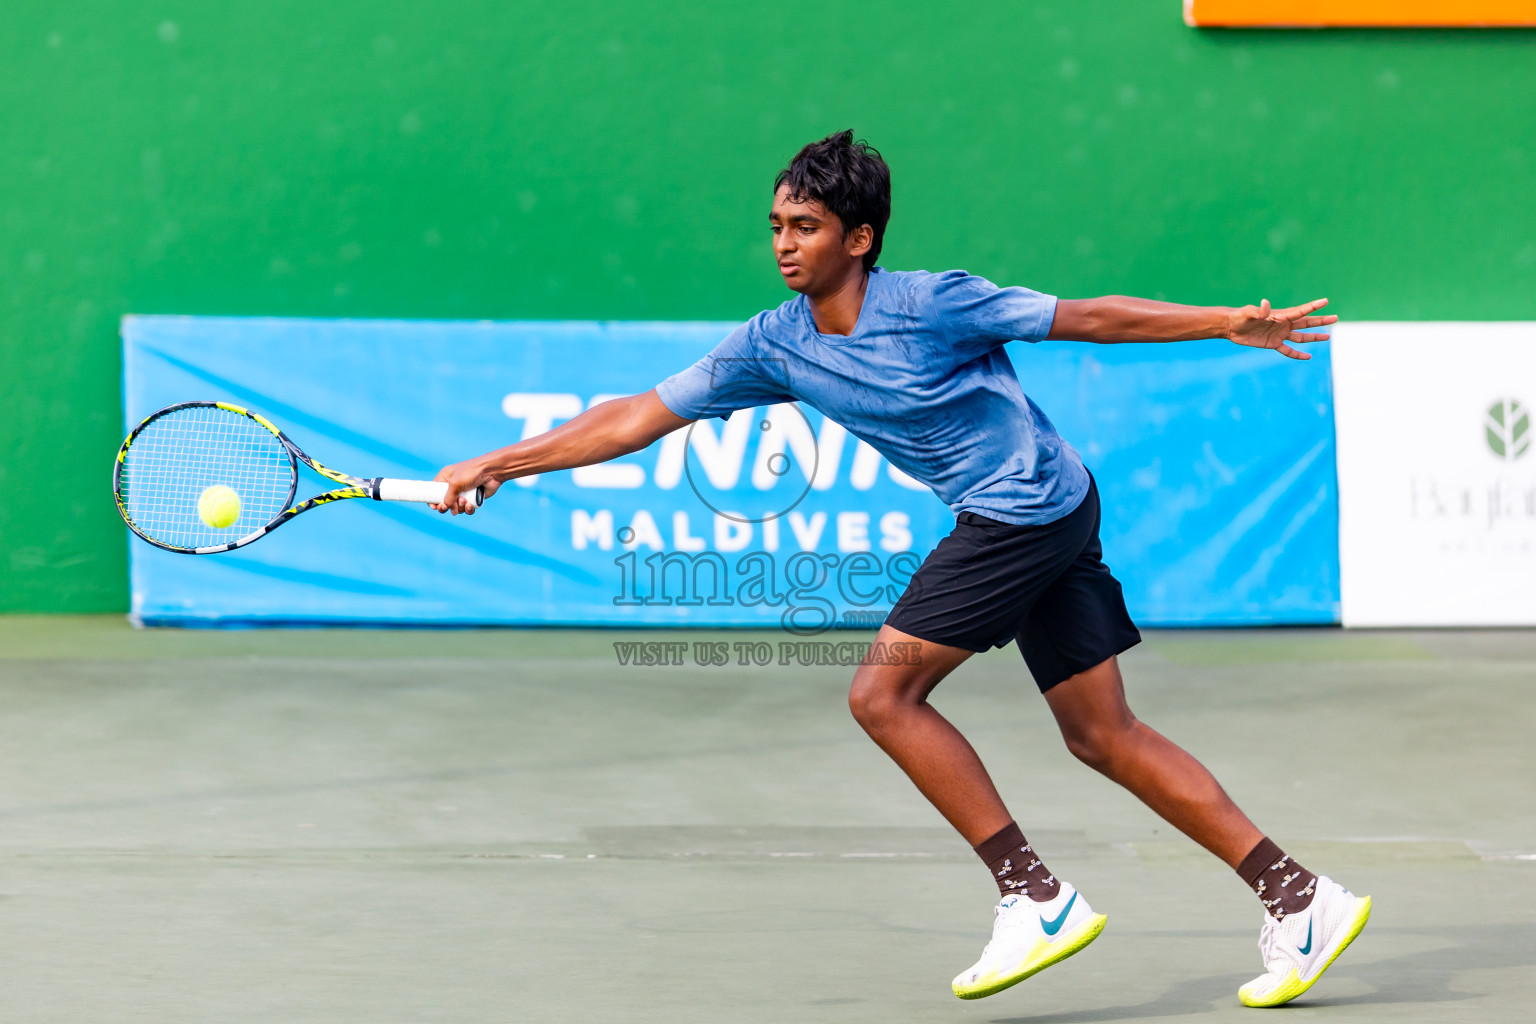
1262, 327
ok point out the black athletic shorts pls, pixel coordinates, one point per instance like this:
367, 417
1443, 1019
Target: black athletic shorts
1045, 586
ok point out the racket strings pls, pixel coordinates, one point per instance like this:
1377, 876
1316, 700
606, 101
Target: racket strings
178, 456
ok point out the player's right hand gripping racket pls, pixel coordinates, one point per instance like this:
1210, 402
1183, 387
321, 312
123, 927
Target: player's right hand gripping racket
204, 477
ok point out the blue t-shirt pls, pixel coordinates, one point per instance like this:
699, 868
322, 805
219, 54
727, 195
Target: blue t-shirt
923, 378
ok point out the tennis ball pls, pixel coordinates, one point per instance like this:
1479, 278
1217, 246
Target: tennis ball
219, 507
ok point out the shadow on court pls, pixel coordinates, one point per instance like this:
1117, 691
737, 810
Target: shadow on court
1191, 996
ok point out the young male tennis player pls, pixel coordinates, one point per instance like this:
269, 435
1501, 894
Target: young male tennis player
913, 363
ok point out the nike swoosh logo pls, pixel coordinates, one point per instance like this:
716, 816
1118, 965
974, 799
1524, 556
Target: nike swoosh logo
1052, 927
1304, 950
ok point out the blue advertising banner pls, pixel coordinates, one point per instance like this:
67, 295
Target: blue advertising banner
1215, 464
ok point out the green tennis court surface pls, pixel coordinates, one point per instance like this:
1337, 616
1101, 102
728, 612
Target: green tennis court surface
509, 826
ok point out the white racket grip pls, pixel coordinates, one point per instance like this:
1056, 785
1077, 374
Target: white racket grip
429, 492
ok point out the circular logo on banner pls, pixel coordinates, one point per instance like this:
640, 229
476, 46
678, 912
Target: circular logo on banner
778, 453
1507, 429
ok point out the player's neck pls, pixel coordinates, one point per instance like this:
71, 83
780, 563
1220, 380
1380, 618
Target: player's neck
836, 310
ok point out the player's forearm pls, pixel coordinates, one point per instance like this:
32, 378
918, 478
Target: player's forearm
1121, 318
558, 449
604, 432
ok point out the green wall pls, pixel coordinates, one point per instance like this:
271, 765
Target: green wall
503, 160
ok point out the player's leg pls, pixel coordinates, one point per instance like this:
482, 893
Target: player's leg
1070, 639
1309, 919
890, 702
1039, 920
969, 595
1103, 733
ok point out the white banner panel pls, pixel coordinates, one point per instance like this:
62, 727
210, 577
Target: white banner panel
1437, 476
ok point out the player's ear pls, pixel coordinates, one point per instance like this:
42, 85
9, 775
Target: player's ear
860, 239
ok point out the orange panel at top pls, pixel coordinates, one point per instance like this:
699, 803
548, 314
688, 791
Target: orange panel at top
1385, 13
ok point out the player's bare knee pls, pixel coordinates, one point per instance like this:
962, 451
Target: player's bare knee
877, 697
1093, 745
869, 701
1084, 749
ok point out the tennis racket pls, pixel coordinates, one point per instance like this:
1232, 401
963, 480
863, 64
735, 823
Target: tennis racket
203, 477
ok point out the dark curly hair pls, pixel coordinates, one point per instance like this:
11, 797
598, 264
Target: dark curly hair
849, 178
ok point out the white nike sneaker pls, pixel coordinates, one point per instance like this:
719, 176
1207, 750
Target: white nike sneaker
1028, 937
1298, 948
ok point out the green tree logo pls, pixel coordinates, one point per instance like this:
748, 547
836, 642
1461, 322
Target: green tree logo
1507, 428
